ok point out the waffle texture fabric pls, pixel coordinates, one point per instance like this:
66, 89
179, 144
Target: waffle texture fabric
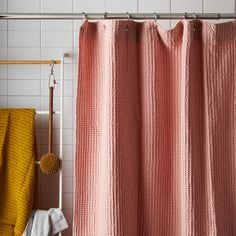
17, 169
156, 129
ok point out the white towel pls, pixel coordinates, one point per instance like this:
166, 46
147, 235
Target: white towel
45, 223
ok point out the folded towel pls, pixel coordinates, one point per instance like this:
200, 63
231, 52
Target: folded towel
17, 171
45, 223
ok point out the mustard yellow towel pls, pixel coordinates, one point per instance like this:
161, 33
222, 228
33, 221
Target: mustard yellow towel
3, 130
17, 169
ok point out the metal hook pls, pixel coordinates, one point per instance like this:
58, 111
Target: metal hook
127, 26
185, 15
51, 83
105, 15
156, 16
85, 16
128, 15
52, 66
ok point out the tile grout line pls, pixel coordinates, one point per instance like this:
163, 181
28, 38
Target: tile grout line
7, 53
40, 118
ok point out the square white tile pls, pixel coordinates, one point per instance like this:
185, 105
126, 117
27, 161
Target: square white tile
3, 38
27, 39
24, 102
122, 6
89, 6
20, 53
23, 25
3, 6
57, 25
67, 201
186, 6
219, 6
23, 72
3, 87
24, 87
55, 6
3, 72
55, 39
3, 53
3, 25
23, 6
67, 167
3, 101
68, 184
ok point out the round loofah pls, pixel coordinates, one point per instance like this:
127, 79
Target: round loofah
49, 163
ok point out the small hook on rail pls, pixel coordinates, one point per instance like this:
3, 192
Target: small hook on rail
128, 15
185, 15
52, 81
85, 16
156, 16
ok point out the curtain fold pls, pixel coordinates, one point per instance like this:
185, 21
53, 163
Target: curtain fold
155, 136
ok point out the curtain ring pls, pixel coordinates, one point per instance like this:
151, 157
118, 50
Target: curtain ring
219, 16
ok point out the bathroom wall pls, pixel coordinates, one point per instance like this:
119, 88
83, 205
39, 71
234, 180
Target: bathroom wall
26, 85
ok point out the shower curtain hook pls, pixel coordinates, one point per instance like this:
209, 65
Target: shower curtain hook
85, 16
52, 76
128, 15
105, 15
156, 16
185, 15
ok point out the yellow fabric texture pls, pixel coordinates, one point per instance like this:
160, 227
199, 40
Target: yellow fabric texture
17, 169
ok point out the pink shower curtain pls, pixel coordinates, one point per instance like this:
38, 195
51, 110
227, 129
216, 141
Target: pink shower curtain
156, 130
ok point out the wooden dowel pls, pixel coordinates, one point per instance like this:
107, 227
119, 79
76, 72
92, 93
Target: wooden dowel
7, 62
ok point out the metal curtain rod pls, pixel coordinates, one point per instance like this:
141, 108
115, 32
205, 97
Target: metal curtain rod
8, 62
97, 16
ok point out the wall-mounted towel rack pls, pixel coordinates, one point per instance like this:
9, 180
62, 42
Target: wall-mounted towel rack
60, 112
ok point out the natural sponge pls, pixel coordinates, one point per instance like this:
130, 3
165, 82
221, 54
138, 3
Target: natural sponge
50, 163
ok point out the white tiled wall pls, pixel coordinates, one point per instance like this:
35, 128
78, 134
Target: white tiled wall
26, 85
